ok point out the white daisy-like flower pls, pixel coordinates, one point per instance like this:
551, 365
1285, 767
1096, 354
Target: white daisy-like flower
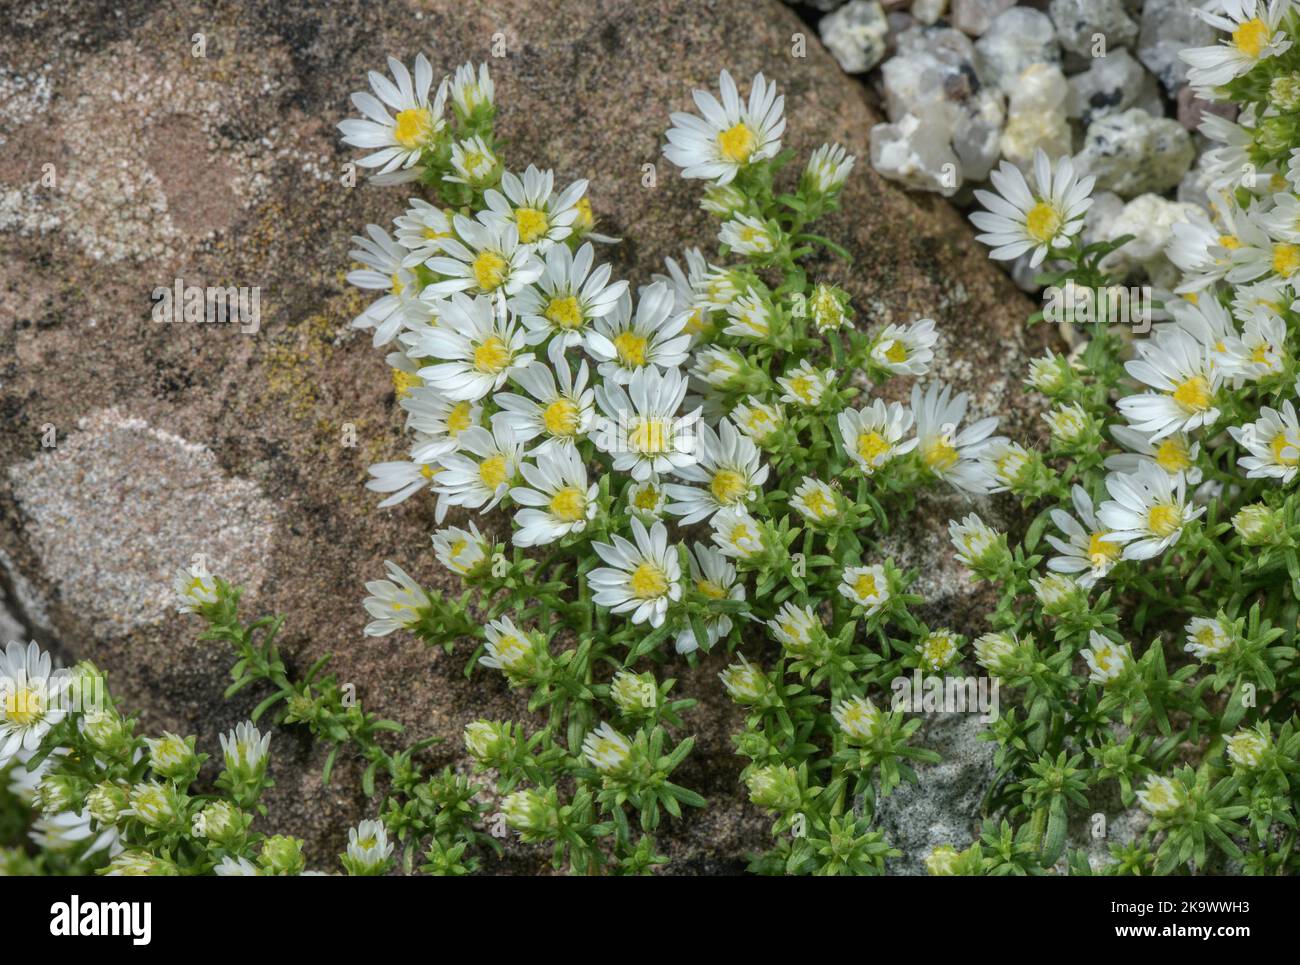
1146, 512
866, 586
473, 162
1186, 378
749, 316
1260, 351
952, 455
558, 411
640, 426
804, 385
874, 435
828, 168
1256, 33
404, 478
1161, 797
1259, 256
471, 91
1068, 423
642, 577
541, 216
483, 259
815, 501
606, 749
996, 652
1086, 549
1106, 659
32, 698
744, 682
1207, 638
938, 650
395, 602
687, 289
1226, 164
557, 500
244, 749
827, 308
716, 367
746, 235
400, 138
1267, 298
1208, 322
384, 271
729, 467
561, 304
480, 348
421, 230
1201, 249
234, 867
625, 343
1174, 454
509, 649
759, 420
795, 628
1006, 463
1273, 442
461, 551
368, 847
859, 718
479, 474
646, 499
714, 577
194, 588
1247, 748
737, 534
906, 349
1021, 219
731, 135
432, 416
974, 540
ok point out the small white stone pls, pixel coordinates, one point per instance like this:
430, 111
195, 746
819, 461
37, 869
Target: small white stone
1134, 153
974, 16
1149, 218
1036, 116
1083, 24
928, 11
915, 152
1016, 39
1112, 85
1168, 28
856, 35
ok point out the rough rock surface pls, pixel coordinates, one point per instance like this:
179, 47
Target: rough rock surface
179, 439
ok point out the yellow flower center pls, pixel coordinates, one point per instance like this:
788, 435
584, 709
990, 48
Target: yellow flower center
737, 142
939, 453
872, 446
459, 418
492, 356
1101, 550
819, 504
413, 127
1286, 259
710, 589
397, 287
1285, 452
648, 581
897, 352
1251, 37
569, 504
1043, 221
1262, 353
650, 436
492, 471
403, 382
1194, 394
801, 386
489, 270
22, 707
647, 499
532, 224
1164, 519
631, 348
728, 486
564, 312
694, 322
429, 471
1231, 242
561, 417
1172, 455
586, 220
865, 586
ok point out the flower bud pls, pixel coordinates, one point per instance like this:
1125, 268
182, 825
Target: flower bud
942, 861
745, 683
1257, 525
634, 694
369, 849
106, 802
775, 787
1247, 748
172, 756
488, 742
282, 855
996, 652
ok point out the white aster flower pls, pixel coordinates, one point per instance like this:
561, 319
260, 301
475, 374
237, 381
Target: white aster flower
859, 718
559, 412
557, 500
406, 478
470, 91
714, 577
479, 347
737, 534
541, 216
1086, 549
228, 867
1247, 748
244, 749
804, 385
866, 586
938, 650
396, 603
795, 628
874, 435
1207, 638
1273, 442
744, 682
461, 551
757, 419
749, 316
1106, 659
509, 649
688, 287
1161, 797
952, 455
421, 230
996, 652
906, 349
1175, 454
384, 270
1021, 219
1068, 422
646, 499
640, 426
815, 501
194, 588
747, 235
606, 749
624, 343
32, 698
1256, 34
729, 467
1260, 351
1146, 512
400, 138
473, 162
433, 416
827, 308
479, 474
974, 540
718, 367
731, 135
483, 259
1186, 378
1006, 463
828, 168
643, 577
561, 304
368, 847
